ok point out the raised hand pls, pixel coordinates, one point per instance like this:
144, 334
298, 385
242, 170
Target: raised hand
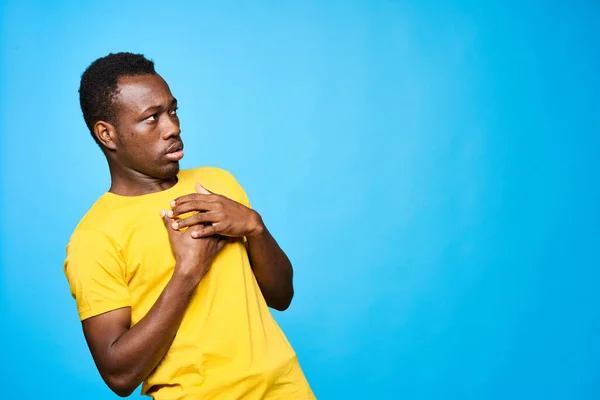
216, 215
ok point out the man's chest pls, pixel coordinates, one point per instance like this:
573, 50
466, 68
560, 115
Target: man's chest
148, 257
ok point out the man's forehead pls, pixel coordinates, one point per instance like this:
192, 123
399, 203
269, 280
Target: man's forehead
143, 91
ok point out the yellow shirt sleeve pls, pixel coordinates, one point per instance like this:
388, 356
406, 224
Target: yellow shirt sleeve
96, 273
241, 196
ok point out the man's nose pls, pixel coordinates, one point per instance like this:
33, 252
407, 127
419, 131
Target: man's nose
171, 129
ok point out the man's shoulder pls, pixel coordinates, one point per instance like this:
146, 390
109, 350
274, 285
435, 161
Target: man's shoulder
217, 180
96, 219
208, 172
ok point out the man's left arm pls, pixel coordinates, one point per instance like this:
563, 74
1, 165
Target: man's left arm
271, 266
224, 216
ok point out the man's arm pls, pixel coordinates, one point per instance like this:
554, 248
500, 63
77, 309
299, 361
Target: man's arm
271, 266
126, 355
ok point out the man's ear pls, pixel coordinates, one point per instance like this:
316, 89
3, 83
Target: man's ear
106, 134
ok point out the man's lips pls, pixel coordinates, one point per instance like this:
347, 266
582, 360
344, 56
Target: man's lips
175, 152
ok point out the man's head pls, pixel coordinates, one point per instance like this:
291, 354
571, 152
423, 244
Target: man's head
131, 114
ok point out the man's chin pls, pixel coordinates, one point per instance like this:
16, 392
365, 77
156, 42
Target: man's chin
171, 171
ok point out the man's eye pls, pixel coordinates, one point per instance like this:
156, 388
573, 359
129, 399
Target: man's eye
153, 117
174, 111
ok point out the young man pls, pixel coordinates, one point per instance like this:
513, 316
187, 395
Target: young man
172, 271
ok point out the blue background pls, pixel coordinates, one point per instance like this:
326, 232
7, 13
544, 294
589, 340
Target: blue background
431, 168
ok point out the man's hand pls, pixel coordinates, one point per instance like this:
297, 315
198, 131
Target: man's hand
193, 256
219, 215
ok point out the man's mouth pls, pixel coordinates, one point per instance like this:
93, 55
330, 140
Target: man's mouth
175, 152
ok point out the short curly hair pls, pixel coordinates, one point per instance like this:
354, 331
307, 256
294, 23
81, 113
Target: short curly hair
98, 86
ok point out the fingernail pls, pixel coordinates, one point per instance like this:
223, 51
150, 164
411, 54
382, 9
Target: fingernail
175, 225
173, 203
162, 213
194, 234
170, 214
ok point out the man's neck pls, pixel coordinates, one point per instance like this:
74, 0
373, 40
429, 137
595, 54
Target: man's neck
134, 183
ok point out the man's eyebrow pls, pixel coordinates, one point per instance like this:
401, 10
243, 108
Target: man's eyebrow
159, 106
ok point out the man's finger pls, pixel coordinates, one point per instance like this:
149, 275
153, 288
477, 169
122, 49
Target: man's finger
193, 197
163, 215
198, 218
166, 220
205, 232
185, 199
225, 240
200, 189
222, 242
194, 205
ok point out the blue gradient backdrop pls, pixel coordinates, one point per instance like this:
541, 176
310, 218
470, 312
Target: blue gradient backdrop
430, 167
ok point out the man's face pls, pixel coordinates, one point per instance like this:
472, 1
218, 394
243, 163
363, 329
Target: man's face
148, 127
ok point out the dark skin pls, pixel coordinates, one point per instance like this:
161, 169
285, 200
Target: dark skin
142, 154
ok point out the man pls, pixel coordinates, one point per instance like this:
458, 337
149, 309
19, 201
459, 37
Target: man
172, 271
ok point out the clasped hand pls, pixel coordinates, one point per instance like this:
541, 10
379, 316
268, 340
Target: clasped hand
217, 214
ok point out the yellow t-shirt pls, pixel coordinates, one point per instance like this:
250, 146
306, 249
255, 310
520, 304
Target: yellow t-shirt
228, 345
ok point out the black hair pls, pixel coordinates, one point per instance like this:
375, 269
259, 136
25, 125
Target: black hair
98, 86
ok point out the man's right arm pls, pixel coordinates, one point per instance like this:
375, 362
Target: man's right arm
126, 355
